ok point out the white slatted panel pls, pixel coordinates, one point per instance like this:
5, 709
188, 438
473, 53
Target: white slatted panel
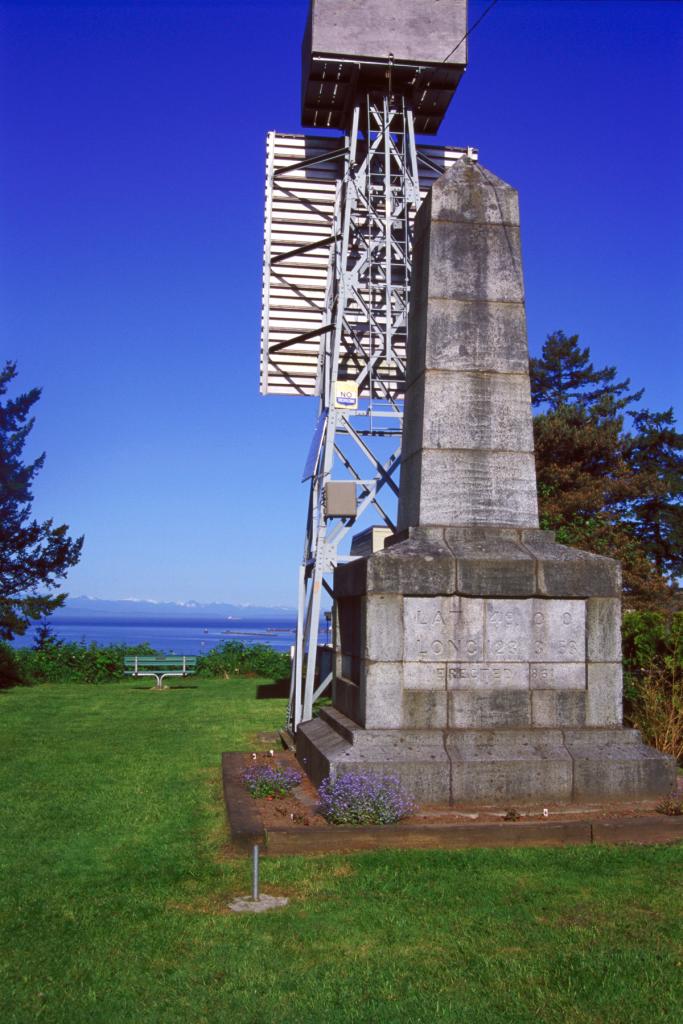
299, 211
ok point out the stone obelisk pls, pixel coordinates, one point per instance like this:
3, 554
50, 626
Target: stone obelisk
474, 656
468, 449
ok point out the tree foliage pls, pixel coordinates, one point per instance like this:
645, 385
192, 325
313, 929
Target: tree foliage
34, 555
605, 486
656, 456
653, 678
564, 376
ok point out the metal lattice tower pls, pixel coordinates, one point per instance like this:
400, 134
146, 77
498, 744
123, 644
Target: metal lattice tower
376, 70
367, 307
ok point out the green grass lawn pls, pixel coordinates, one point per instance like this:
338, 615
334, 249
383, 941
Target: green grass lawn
114, 893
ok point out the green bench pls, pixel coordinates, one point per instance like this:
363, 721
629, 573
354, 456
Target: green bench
160, 666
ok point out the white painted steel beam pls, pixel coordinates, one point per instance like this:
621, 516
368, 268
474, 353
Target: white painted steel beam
303, 176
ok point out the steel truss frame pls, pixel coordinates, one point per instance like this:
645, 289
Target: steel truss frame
366, 320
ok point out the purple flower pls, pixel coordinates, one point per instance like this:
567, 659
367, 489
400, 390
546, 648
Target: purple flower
270, 779
363, 798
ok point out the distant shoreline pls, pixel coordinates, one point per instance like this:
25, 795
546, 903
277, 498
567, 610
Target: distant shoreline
191, 634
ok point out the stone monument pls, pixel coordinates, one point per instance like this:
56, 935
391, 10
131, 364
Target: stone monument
475, 657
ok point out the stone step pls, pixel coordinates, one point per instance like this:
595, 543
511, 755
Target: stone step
491, 766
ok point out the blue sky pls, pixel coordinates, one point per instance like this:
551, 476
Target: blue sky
131, 195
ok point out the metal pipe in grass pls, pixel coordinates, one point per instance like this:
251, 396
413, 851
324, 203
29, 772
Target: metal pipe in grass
255, 873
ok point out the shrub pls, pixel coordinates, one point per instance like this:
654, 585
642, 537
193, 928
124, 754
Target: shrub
234, 658
11, 673
59, 662
54, 661
359, 798
512, 815
670, 806
270, 779
653, 678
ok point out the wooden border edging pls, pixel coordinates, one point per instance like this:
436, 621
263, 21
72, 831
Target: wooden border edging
658, 829
247, 828
350, 839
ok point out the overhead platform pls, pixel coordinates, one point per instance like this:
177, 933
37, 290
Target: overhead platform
302, 176
361, 45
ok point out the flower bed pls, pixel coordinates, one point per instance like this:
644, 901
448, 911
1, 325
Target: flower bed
264, 780
362, 798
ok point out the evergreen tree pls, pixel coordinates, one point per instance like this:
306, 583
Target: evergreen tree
655, 454
34, 556
565, 376
44, 637
596, 483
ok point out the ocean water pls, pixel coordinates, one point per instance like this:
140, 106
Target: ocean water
175, 635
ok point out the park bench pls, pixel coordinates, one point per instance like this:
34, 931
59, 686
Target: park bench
160, 666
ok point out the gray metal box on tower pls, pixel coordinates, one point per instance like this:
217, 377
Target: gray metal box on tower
352, 45
340, 499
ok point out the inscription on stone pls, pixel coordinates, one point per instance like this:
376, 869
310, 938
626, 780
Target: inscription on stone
535, 630
557, 676
443, 629
424, 676
484, 676
507, 644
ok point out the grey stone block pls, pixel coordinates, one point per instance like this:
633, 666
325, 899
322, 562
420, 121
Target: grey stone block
558, 708
558, 631
475, 261
409, 508
488, 676
421, 564
568, 572
603, 629
457, 334
382, 628
557, 676
350, 578
468, 441
346, 697
332, 745
604, 694
477, 709
452, 488
491, 766
469, 193
417, 757
615, 764
509, 578
425, 781
424, 709
381, 689
424, 676
342, 725
442, 629
419, 281
491, 566
470, 409
415, 426
509, 766
317, 747
509, 626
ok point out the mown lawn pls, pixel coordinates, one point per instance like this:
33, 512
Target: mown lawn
114, 891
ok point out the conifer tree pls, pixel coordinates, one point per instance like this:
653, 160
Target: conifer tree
34, 556
565, 376
600, 488
655, 453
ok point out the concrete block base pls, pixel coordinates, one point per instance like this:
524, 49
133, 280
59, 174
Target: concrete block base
492, 767
333, 745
